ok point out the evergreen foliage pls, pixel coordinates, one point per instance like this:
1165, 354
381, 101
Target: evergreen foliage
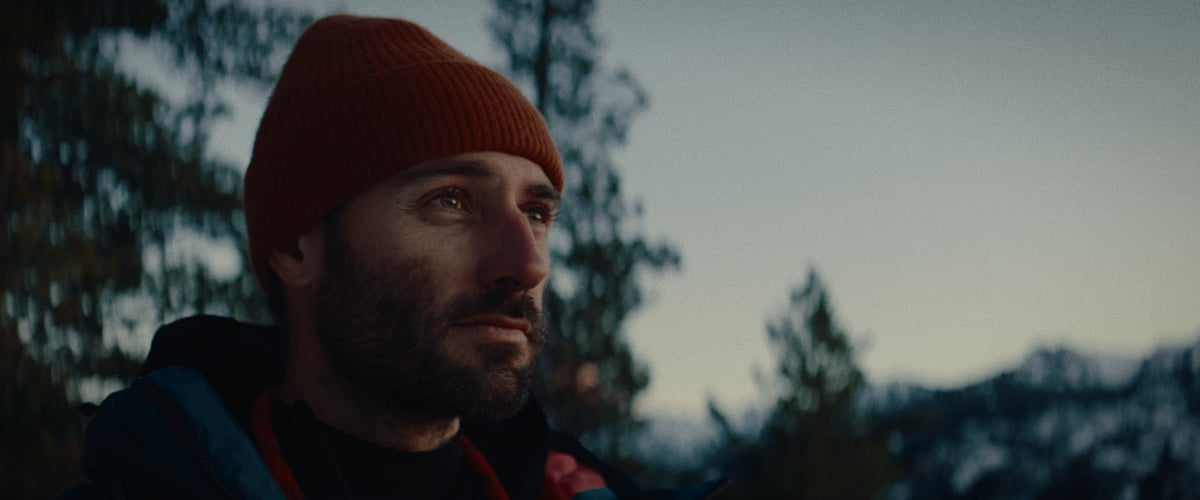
588, 376
812, 444
102, 175
39, 429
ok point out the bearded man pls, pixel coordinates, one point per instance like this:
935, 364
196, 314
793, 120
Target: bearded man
398, 203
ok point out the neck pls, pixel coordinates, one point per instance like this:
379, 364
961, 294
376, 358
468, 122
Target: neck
351, 411
347, 407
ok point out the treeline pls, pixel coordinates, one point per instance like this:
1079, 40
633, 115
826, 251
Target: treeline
1061, 425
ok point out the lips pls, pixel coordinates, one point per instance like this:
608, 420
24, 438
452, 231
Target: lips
495, 327
496, 320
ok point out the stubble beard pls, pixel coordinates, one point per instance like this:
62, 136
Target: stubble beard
383, 335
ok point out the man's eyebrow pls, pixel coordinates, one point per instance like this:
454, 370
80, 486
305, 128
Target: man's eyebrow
543, 191
464, 168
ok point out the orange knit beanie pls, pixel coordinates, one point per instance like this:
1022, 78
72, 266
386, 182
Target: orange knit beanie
361, 99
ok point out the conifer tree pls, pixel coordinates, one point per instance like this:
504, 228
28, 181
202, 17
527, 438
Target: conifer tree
589, 377
812, 443
101, 173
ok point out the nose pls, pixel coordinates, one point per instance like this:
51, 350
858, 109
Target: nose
515, 256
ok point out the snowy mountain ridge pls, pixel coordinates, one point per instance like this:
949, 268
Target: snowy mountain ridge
1058, 424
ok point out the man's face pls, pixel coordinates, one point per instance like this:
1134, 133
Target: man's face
431, 292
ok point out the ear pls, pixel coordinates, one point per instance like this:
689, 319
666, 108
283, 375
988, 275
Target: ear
298, 262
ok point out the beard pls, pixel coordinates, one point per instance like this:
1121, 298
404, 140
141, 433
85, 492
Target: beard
383, 334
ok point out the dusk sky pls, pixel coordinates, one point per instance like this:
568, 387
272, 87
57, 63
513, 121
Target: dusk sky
972, 179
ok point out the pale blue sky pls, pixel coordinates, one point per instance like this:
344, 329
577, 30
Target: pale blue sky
971, 178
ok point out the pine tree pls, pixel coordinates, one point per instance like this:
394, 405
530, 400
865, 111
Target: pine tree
589, 378
38, 427
100, 174
812, 444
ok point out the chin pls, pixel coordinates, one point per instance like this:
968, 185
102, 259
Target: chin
504, 390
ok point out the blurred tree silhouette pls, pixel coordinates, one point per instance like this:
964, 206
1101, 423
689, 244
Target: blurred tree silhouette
38, 427
589, 378
812, 443
101, 174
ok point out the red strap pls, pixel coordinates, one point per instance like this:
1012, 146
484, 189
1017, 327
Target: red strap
482, 471
268, 445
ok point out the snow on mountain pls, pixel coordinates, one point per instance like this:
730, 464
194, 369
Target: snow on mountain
1065, 368
1059, 423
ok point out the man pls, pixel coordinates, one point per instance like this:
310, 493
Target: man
398, 204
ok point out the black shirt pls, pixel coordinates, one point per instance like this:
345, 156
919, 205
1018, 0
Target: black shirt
329, 463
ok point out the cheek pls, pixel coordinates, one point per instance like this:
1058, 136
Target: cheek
458, 258
390, 244
450, 269
538, 294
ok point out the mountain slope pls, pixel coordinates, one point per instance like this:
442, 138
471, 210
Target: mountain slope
1061, 425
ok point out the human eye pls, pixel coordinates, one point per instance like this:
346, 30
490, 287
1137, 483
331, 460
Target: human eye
539, 213
450, 199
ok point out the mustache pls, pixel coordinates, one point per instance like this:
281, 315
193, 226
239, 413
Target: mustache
504, 303
501, 302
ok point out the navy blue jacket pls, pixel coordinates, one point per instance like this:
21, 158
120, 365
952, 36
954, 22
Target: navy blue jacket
179, 430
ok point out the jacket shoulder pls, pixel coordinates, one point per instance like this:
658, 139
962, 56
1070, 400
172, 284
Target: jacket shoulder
170, 433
